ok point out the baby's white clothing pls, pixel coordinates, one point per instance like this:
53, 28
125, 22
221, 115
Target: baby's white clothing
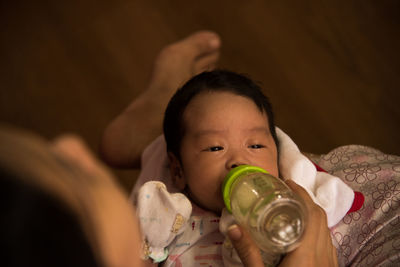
176, 232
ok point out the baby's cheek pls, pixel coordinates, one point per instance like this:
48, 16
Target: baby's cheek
206, 194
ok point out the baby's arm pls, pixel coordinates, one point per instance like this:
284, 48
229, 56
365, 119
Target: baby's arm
162, 216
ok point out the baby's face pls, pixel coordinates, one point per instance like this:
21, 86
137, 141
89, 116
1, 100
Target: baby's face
222, 131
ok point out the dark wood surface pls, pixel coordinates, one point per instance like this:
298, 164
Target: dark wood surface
331, 68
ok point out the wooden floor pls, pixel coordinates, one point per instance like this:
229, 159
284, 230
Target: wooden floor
331, 68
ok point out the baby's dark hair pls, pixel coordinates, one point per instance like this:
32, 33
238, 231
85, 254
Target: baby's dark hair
212, 81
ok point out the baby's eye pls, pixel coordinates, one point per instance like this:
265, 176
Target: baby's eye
256, 146
215, 148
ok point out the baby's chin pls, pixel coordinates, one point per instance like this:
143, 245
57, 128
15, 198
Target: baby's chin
215, 208
218, 208
216, 205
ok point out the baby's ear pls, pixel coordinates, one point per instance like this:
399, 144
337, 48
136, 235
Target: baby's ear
175, 169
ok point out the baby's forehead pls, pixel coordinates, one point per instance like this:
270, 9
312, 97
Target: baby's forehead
213, 118
206, 99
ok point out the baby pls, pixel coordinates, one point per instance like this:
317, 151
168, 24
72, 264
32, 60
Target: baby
217, 121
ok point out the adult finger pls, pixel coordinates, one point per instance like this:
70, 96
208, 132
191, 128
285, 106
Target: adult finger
316, 248
247, 250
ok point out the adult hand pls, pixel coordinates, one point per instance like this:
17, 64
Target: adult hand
245, 247
316, 248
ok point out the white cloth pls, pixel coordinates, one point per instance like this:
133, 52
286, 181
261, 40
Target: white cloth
328, 191
174, 232
159, 210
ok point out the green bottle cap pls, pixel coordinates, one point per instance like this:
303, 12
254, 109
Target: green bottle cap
231, 177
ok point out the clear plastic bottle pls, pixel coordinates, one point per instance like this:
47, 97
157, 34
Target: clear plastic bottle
272, 213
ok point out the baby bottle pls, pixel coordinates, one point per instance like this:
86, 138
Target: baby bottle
272, 213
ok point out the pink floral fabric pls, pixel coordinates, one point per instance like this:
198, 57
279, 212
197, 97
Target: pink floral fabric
371, 235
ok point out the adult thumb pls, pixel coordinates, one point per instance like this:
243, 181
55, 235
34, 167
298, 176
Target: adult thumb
245, 247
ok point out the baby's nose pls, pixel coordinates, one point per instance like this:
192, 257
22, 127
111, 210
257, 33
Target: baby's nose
235, 165
235, 161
